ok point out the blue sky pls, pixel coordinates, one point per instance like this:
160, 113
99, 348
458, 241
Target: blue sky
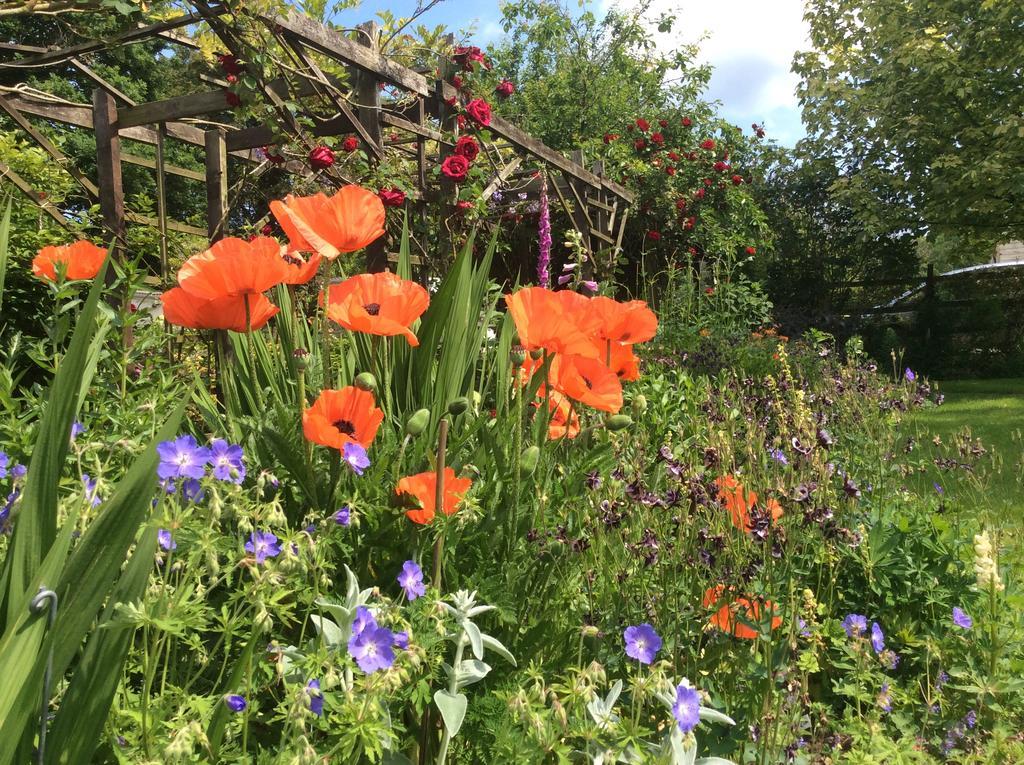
750, 44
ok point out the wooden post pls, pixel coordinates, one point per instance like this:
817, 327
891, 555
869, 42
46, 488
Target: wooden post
368, 93
216, 184
161, 204
108, 171
581, 217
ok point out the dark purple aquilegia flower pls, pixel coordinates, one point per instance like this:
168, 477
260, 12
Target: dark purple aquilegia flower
642, 643
263, 545
355, 457
411, 580
227, 460
686, 710
235, 703
182, 458
962, 619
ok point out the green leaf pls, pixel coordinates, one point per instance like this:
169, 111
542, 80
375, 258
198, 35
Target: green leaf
5, 232
453, 710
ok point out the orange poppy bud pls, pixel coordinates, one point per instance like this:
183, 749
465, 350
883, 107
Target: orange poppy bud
81, 260
345, 222
423, 488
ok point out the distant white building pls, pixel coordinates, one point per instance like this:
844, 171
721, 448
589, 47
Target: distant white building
1009, 252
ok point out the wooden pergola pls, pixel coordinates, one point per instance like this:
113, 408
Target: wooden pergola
418, 116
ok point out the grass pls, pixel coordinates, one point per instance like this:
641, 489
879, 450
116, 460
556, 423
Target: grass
989, 410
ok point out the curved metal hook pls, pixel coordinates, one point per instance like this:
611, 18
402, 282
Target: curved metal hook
37, 606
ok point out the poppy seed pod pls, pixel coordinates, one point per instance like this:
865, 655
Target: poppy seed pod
536, 353
528, 460
366, 381
518, 355
618, 422
639, 404
417, 422
458, 406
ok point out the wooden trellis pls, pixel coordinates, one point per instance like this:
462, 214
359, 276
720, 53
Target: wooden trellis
419, 122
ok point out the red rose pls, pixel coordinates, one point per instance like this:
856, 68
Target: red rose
681, 203
686, 121
267, 230
690, 222
708, 181
463, 206
670, 170
663, 123
392, 197
720, 166
460, 120
654, 236
229, 64
673, 156
451, 101
640, 144
232, 79
466, 56
480, 111
751, 250
320, 158
692, 156
505, 88
457, 82
699, 194
232, 98
467, 147
692, 251
643, 124
455, 167
609, 137
709, 290
760, 132
709, 144
737, 180
350, 144
658, 138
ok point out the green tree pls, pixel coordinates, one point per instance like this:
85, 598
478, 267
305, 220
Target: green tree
919, 104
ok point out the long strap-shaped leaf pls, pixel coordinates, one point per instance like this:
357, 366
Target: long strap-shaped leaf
84, 708
36, 524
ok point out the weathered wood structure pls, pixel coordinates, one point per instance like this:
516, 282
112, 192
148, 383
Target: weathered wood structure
415, 120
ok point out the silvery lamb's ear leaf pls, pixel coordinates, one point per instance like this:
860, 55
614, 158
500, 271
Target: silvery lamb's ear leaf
476, 641
352, 590
713, 715
613, 694
331, 632
453, 710
493, 644
714, 761
682, 754
472, 671
477, 610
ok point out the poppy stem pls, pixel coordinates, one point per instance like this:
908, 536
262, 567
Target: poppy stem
257, 386
442, 445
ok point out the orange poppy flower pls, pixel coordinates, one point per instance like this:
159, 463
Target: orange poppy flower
631, 322
545, 320
185, 310
233, 267
345, 222
377, 304
623, 362
588, 381
300, 271
727, 616
565, 421
423, 487
740, 502
81, 260
338, 417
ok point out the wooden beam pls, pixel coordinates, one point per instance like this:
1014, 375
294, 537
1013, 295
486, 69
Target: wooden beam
216, 184
108, 169
173, 225
135, 159
393, 120
25, 188
180, 107
500, 178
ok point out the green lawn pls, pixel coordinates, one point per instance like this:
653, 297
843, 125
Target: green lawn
993, 411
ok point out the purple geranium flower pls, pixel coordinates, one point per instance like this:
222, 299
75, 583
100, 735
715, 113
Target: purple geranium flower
371, 648
343, 517
411, 580
401, 640
4, 461
779, 456
77, 429
877, 638
908, 375
263, 545
90, 490
855, 625
165, 540
642, 643
18, 471
355, 457
227, 460
884, 699
235, 702
182, 458
192, 490
686, 710
315, 697
962, 619
364, 618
